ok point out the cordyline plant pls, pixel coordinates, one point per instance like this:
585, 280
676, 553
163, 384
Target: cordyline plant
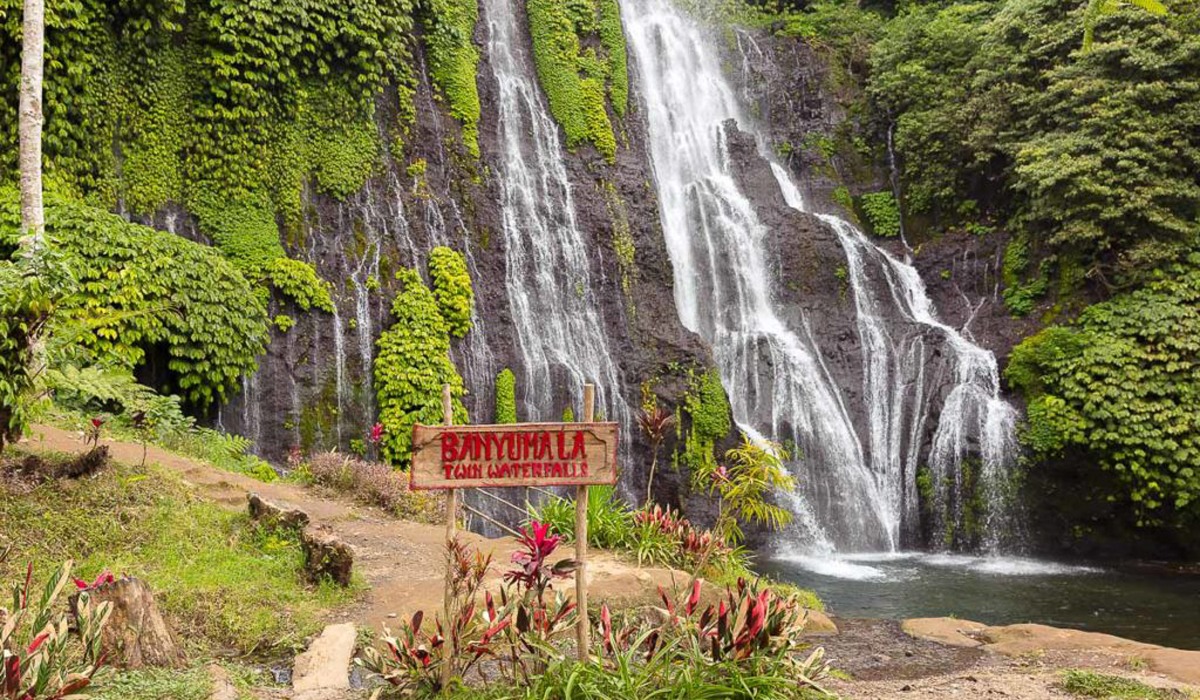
654, 421
750, 627
41, 657
415, 659
517, 632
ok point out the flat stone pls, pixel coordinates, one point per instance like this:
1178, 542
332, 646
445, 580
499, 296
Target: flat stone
275, 515
818, 624
222, 686
945, 630
324, 670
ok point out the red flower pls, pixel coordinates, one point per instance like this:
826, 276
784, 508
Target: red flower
376, 433
97, 422
102, 579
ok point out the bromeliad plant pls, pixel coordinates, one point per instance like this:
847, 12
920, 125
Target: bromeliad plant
41, 657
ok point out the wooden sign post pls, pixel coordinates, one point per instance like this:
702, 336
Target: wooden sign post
451, 525
451, 457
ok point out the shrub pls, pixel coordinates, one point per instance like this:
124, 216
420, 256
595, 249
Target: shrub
755, 471
376, 484
1121, 388
882, 213
452, 287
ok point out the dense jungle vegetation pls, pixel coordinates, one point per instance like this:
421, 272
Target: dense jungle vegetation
1084, 155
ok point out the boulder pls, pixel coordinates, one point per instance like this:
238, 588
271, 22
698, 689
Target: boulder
274, 515
818, 624
945, 630
325, 556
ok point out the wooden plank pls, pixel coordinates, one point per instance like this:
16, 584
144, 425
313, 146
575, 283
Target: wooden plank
522, 454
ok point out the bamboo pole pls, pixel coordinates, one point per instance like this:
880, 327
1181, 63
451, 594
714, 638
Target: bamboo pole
451, 524
581, 538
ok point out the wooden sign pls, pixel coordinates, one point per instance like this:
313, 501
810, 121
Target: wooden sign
520, 454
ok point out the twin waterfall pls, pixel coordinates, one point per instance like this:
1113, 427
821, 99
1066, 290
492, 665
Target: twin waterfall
858, 487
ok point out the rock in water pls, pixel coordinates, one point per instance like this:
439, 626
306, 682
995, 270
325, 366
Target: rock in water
136, 635
326, 556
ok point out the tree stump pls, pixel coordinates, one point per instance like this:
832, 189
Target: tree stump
326, 556
136, 635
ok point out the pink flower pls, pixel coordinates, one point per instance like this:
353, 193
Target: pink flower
376, 433
722, 474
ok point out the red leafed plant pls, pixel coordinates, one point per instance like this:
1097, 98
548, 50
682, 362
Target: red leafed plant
415, 659
537, 622
750, 625
41, 657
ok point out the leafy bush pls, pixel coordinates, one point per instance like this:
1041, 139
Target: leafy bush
575, 78
376, 484
41, 657
452, 287
140, 288
27, 298
453, 60
882, 213
755, 471
1121, 389
411, 366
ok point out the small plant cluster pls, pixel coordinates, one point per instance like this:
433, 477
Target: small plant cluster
41, 656
751, 626
373, 483
516, 628
690, 542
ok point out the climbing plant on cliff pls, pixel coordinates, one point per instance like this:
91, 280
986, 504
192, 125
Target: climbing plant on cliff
708, 408
411, 366
452, 287
453, 60
580, 82
1120, 388
140, 290
232, 109
506, 397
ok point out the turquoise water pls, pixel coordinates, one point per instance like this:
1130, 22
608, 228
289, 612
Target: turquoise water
1150, 607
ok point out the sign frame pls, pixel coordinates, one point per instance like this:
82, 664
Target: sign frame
607, 433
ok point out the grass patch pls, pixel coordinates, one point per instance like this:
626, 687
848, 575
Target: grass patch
222, 582
155, 684
1090, 684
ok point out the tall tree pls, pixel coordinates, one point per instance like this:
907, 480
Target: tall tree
33, 218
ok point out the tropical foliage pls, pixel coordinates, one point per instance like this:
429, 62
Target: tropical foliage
412, 365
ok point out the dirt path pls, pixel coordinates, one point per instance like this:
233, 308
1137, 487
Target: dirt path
401, 561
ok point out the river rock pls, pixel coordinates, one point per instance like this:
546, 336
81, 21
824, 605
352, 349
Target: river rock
818, 624
323, 672
945, 630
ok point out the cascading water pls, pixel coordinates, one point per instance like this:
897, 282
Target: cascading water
560, 335
857, 493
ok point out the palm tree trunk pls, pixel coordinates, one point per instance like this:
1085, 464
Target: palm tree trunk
33, 221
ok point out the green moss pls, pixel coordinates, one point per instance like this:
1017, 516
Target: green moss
578, 81
454, 60
506, 397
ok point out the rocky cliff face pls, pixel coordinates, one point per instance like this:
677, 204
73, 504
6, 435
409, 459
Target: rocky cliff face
314, 386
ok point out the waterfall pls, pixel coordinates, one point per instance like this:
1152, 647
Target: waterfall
857, 491
559, 333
